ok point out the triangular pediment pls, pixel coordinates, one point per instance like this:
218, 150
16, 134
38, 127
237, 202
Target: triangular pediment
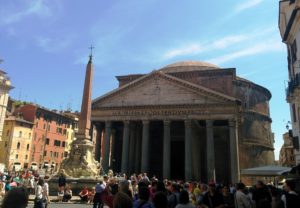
158, 88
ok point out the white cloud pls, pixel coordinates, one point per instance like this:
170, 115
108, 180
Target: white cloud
188, 50
247, 5
229, 40
262, 47
197, 48
35, 7
54, 45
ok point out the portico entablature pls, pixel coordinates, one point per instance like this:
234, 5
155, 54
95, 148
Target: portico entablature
167, 112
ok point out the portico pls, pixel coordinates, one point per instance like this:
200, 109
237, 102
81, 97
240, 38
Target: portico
179, 142
187, 121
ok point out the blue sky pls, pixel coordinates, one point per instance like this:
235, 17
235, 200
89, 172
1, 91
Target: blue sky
44, 45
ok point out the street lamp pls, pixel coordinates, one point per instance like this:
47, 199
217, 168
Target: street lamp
288, 125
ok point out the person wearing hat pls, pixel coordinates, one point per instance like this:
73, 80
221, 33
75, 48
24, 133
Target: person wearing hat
212, 198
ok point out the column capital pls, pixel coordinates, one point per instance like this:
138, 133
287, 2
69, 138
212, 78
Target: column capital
167, 122
108, 124
126, 122
232, 123
209, 123
146, 122
187, 122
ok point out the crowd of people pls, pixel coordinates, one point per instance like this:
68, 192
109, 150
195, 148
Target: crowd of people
138, 191
15, 188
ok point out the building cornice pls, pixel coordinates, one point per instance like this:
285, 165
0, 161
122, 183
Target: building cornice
241, 82
290, 24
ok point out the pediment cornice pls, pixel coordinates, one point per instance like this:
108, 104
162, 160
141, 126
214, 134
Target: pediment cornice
177, 81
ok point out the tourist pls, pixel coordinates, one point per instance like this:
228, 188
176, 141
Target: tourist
62, 181
160, 200
184, 200
143, 200
7, 185
60, 195
109, 193
91, 195
105, 181
84, 194
213, 198
46, 198
276, 200
99, 188
2, 189
203, 191
241, 200
38, 200
195, 193
31, 185
228, 197
122, 200
290, 199
145, 178
261, 195
67, 194
15, 198
173, 198
124, 187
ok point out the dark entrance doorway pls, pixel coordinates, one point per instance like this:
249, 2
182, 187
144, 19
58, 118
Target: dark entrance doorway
177, 160
156, 148
177, 150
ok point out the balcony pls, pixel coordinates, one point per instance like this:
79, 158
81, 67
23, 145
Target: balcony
293, 85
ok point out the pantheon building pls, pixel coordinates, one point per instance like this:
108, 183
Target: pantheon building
189, 120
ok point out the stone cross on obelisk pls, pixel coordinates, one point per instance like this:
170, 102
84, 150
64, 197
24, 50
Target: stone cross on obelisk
81, 161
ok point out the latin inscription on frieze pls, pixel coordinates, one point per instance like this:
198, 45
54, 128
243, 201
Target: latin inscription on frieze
160, 112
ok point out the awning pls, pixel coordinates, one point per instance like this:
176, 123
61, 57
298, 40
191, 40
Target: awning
265, 171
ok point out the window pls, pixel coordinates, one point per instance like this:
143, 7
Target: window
65, 132
20, 133
5, 144
27, 148
26, 157
51, 154
18, 145
17, 156
294, 113
47, 141
63, 144
45, 153
7, 133
57, 143
66, 154
294, 51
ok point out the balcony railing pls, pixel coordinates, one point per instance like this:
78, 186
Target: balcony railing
293, 84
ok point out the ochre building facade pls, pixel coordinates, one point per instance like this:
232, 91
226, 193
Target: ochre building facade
189, 120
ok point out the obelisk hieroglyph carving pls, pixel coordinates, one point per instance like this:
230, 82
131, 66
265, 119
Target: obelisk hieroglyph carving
81, 161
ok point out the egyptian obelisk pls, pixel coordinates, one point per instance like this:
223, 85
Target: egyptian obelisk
81, 161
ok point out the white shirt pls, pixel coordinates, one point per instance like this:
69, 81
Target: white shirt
39, 192
46, 190
241, 200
